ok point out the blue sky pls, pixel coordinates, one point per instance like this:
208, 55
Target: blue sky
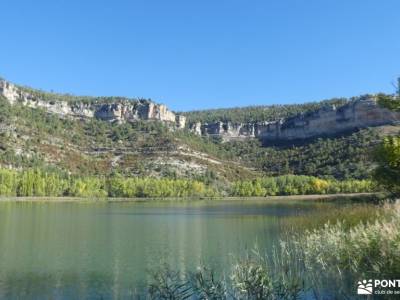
203, 54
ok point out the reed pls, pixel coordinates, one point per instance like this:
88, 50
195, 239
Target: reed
319, 263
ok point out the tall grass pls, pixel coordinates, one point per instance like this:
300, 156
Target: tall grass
323, 263
343, 255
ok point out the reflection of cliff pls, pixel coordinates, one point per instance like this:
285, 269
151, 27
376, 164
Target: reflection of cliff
119, 111
329, 120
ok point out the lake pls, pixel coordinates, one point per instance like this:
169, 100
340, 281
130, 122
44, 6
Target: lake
106, 250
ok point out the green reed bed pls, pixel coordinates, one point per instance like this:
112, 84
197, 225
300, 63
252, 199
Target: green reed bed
321, 263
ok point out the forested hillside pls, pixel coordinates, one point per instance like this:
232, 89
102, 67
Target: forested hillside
257, 113
88, 153
31, 137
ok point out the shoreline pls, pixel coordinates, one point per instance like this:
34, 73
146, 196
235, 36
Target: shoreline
314, 197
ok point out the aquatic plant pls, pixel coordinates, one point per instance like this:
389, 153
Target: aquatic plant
207, 285
262, 276
251, 280
168, 284
253, 277
321, 263
366, 250
339, 254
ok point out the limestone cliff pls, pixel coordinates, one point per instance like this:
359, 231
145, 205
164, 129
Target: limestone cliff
120, 111
327, 121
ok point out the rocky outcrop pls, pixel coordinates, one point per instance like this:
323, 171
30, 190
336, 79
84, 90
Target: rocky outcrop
330, 120
131, 111
327, 121
180, 121
226, 130
121, 111
196, 128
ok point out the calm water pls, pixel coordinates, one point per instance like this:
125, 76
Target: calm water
104, 250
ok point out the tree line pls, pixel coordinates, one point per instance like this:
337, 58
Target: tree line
35, 182
257, 113
299, 185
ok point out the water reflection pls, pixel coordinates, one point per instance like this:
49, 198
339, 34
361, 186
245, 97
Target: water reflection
100, 250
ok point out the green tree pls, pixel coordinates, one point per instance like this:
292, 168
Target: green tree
388, 171
388, 152
392, 103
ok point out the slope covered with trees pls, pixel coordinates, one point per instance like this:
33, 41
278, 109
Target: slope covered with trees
79, 154
388, 153
257, 113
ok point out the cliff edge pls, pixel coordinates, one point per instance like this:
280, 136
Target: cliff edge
122, 110
327, 121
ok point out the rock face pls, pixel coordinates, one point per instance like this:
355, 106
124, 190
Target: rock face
180, 121
227, 130
327, 121
121, 111
195, 128
354, 115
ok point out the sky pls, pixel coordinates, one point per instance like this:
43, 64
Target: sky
203, 54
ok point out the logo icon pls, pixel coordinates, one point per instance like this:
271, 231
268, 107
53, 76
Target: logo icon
364, 287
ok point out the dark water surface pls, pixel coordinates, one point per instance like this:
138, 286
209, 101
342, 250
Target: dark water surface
104, 250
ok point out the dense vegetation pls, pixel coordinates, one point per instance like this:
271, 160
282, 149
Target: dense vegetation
343, 157
299, 185
323, 263
388, 153
388, 171
34, 182
257, 113
52, 97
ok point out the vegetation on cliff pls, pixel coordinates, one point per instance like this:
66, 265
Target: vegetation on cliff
52, 97
343, 157
257, 113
